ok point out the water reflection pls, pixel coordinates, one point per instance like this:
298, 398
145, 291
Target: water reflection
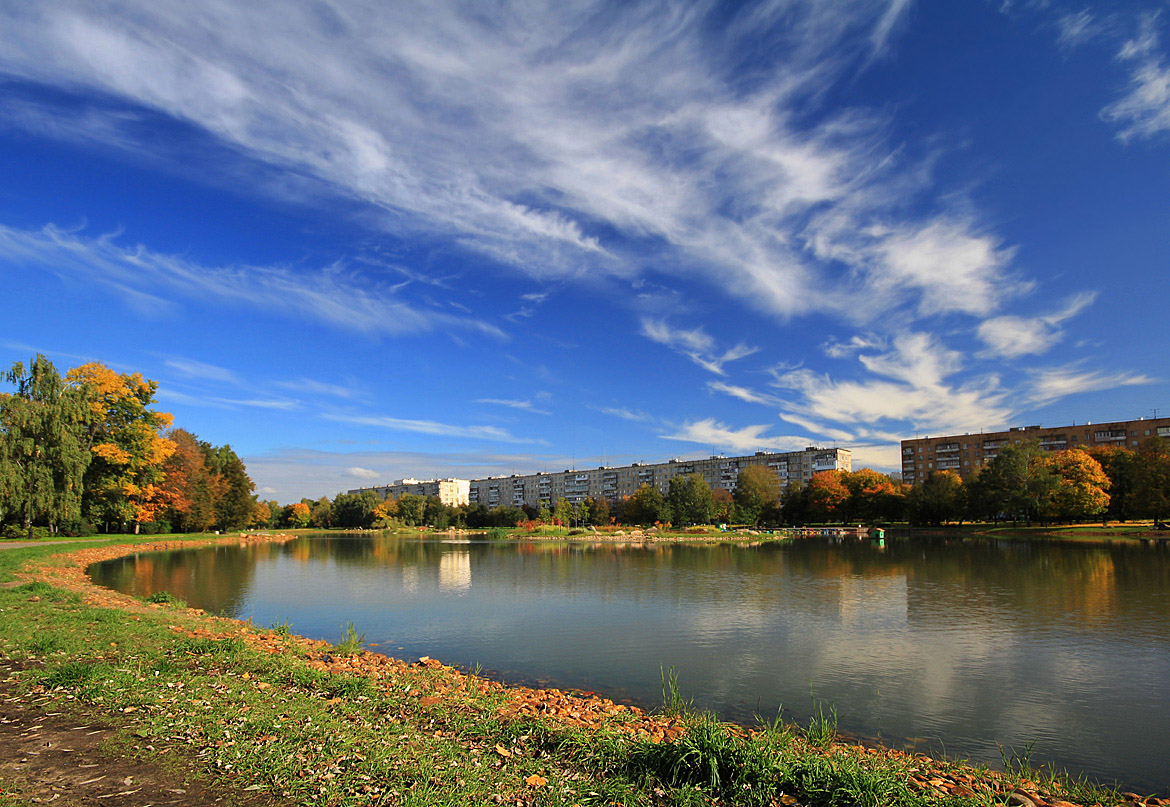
966, 643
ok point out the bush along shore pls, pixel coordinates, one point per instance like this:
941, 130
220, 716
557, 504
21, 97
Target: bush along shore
140, 701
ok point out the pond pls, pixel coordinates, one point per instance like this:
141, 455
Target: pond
940, 645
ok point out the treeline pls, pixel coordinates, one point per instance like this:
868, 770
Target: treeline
1024, 483
87, 453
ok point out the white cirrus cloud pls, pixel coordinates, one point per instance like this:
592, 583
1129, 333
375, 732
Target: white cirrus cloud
1013, 336
190, 368
743, 393
695, 344
1144, 110
626, 414
524, 405
431, 427
710, 432
333, 294
1052, 383
362, 473
566, 140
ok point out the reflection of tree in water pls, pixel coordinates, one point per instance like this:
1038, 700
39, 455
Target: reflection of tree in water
978, 579
216, 579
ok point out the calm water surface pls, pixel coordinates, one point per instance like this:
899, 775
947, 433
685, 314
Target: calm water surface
941, 644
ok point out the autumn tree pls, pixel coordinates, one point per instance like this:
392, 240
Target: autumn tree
1081, 488
874, 496
825, 495
128, 447
189, 490
757, 491
44, 449
298, 515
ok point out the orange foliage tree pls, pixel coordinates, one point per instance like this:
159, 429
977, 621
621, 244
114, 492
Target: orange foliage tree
122, 483
825, 494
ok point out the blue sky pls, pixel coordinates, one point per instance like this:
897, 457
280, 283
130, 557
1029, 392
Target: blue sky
364, 240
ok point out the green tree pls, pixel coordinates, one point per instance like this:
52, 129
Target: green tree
646, 506
299, 515
690, 500
44, 449
1019, 482
794, 502
598, 511
940, 498
411, 509
563, 512
757, 490
1151, 494
322, 516
355, 511
233, 508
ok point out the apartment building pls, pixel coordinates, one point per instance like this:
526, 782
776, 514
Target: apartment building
964, 454
452, 492
616, 483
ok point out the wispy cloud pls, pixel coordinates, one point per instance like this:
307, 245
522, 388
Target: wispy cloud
1053, 383
576, 140
527, 406
743, 393
710, 432
910, 383
333, 295
493, 433
695, 344
1075, 28
362, 473
1013, 336
626, 414
314, 387
1144, 110
189, 368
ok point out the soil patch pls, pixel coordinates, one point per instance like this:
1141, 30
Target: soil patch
51, 754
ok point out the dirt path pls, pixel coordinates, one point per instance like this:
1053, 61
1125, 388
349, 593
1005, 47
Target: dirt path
49, 755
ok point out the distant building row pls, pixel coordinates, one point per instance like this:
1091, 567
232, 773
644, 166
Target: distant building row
965, 454
616, 483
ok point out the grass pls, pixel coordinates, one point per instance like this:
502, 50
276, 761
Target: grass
351, 641
248, 707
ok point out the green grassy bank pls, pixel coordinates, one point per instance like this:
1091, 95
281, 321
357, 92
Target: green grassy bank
263, 715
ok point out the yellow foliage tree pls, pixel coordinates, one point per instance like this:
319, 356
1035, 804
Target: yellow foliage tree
122, 482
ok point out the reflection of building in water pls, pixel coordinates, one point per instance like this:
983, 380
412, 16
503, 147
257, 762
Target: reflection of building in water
410, 579
455, 571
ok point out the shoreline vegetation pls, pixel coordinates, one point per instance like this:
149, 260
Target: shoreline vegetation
193, 703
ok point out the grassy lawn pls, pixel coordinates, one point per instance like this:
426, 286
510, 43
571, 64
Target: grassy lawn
256, 713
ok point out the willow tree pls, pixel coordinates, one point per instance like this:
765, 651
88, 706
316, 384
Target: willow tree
44, 450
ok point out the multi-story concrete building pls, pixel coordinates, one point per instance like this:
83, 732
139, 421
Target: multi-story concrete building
450, 491
964, 454
616, 483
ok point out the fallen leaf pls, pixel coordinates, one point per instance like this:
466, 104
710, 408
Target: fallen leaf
504, 752
536, 780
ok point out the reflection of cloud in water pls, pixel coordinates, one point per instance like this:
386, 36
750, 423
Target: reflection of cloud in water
455, 570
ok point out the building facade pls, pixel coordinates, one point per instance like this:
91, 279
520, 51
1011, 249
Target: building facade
965, 454
453, 492
616, 483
